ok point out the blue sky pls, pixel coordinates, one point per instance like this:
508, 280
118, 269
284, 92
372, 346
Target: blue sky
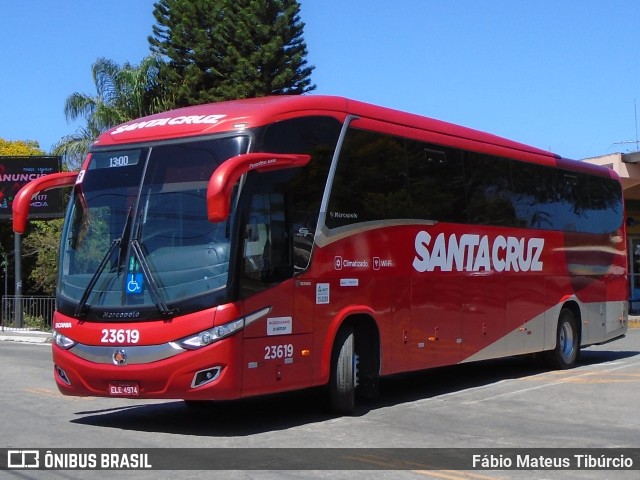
562, 76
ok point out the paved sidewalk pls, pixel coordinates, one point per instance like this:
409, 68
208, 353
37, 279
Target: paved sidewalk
24, 335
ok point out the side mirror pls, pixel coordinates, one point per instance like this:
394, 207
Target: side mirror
226, 175
22, 200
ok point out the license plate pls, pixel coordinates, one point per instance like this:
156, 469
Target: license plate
124, 389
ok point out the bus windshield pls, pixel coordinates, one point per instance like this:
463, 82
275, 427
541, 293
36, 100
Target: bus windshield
137, 233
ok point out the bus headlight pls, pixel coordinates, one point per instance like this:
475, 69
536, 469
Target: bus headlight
63, 342
212, 335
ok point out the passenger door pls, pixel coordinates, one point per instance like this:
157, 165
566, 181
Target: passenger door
274, 343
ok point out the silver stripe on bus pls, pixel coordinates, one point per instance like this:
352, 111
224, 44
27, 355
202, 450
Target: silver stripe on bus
136, 355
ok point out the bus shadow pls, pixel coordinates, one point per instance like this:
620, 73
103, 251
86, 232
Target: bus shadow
216, 418
283, 411
441, 381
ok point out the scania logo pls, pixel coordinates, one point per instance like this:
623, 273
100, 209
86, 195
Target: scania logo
119, 357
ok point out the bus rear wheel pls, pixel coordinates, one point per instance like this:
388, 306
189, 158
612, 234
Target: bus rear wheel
567, 348
344, 373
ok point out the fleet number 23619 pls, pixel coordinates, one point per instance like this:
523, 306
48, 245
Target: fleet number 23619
278, 351
120, 335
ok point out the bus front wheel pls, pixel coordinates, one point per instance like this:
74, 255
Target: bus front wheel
344, 372
567, 348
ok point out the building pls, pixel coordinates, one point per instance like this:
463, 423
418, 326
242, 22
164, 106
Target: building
627, 166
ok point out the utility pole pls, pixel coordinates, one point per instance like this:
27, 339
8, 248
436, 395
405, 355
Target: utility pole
637, 140
5, 265
17, 306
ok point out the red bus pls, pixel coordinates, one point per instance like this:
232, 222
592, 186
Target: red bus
258, 246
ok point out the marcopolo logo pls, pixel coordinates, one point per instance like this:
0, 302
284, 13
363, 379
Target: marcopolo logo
475, 253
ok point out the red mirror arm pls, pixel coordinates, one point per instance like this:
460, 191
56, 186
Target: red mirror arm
226, 175
22, 200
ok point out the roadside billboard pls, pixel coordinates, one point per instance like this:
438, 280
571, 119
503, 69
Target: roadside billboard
17, 171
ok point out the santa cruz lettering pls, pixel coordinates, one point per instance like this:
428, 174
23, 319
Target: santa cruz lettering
181, 120
475, 253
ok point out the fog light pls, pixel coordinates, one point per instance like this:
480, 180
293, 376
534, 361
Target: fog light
62, 375
205, 376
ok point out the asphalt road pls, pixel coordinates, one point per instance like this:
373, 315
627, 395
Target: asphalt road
510, 403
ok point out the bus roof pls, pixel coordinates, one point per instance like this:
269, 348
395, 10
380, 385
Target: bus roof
237, 115
240, 114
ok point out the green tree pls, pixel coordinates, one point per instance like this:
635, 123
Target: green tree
122, 94
43, 244
19, 147
225, 49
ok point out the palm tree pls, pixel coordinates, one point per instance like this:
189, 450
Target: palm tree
122, 93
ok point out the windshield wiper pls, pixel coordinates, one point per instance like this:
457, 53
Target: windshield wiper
155, 292
81, 309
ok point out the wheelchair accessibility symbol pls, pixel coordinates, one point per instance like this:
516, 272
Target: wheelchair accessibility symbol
134, 283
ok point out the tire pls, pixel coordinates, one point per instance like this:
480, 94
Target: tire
343, 373
567, 348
